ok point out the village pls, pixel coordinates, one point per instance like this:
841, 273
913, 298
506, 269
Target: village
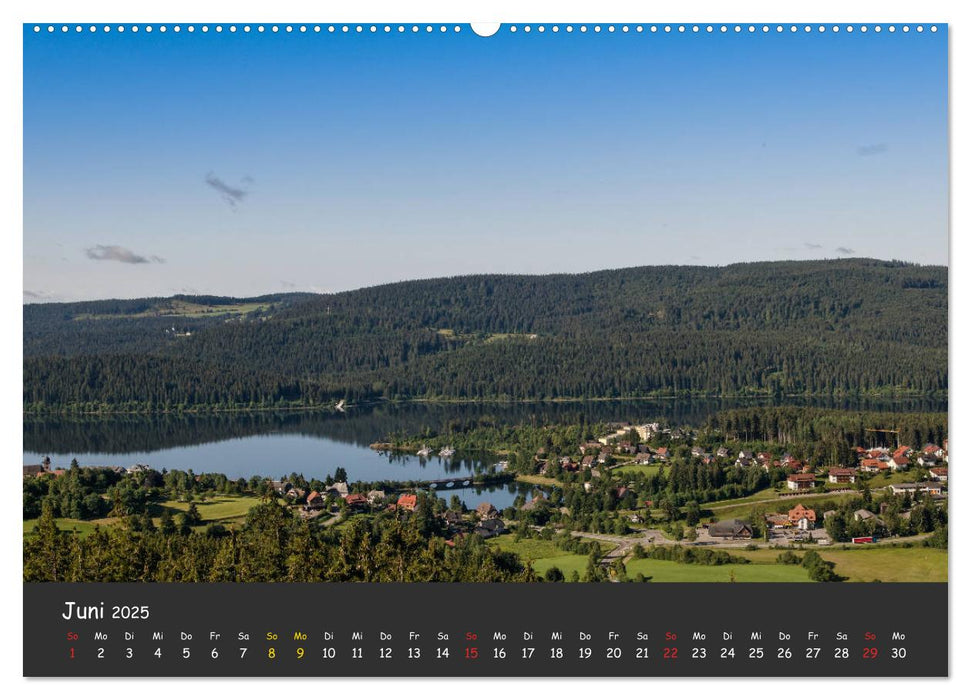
634, 488
616, 451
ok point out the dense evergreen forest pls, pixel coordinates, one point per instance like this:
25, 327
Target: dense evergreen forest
271, 546
820, 328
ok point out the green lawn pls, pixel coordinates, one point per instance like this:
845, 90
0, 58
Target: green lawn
84, 527
676, 572
218, 509
538, 480
778, 505
881, 481
527, 548
644, 469
865, 563
889, 563
757, 496
224, 509
543, 554
567, 563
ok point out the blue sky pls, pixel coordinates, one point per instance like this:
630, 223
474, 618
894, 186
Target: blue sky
244, 164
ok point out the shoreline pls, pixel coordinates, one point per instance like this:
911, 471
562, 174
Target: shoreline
332, 408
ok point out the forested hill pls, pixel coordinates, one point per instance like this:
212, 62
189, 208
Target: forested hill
819, 327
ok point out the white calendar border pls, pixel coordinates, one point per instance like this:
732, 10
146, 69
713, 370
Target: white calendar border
462, 12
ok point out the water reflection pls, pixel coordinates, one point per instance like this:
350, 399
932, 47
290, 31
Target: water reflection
362, 425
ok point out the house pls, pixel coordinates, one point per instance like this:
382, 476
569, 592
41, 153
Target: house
295, 494
532, 504
339, 488
34, 469
898, 462
722, 452
801, 482
873, 466
927, 461
588, 461
932, 449
743, 462
662, 453
777, 521
764, 457
643, 458
603, 457
356, 500
937, 473
407, 501
492, 527
697, 451
745, 454
486, 511
375, 496
731, 529
281, 486
138, 468
934, 489
647, 430
903, 451
315, 501
802, 517
796, 465
841, 475
864, 515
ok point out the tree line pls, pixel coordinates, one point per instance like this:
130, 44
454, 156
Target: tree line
817, 328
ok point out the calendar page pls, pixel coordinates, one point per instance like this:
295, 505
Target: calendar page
436, 349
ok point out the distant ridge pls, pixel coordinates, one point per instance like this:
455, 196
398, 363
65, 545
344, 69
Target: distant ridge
834, 327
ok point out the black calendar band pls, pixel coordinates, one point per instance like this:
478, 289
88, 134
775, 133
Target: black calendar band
426, 629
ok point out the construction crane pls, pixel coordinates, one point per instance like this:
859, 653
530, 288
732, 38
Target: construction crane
885, 430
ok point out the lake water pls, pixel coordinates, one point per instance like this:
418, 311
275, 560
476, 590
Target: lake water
315, 443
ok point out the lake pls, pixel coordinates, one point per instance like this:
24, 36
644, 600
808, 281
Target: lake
315, 443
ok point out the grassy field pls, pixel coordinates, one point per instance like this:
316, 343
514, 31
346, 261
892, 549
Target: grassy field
567, 563
863, 563
757, 496
527, 548
185, 309
643, 469
84, 527
778, 504
543, 554
889, 563
223, 509
676, 572
490, 338
881, 481
538, 480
